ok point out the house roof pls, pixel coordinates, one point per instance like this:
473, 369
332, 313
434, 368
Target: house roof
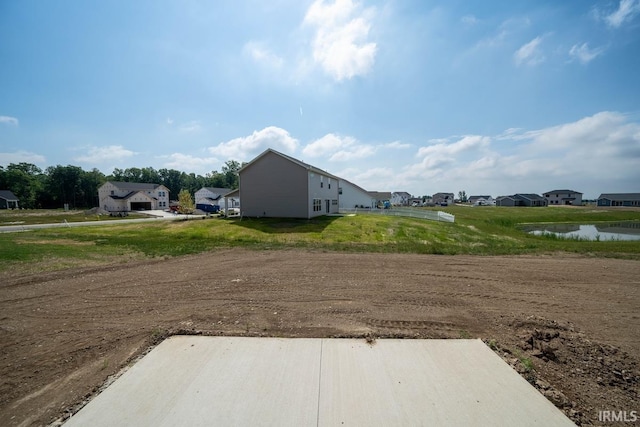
563, 191
135, 186
216, 190
402, 193
620, 196
233, 193
357, 186
380, 195
8, 195
479, 197
530, 196
131, 194
504, 197
300, 163
443, 194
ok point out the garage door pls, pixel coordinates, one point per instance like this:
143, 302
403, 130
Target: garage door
140, 206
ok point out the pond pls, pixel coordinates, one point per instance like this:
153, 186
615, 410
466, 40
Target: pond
623, 230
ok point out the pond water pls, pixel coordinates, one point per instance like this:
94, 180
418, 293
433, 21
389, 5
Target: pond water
624, 230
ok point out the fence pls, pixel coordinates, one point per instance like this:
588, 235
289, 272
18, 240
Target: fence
409, 212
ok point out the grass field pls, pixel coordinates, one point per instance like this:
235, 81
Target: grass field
49, 216
480, 231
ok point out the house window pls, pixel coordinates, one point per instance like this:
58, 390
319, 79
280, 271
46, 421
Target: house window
321, 184
112, 192
334, 202
339, 190
317, 205
329, 186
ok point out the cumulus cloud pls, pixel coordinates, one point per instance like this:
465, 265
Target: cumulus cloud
396, 145
8, 120
338, 148
626, 11
247, 147
22, 157
601, 151
191, 163
102, 154
583, 54
340, 43
529, 53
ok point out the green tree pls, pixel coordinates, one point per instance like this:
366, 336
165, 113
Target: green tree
64, 185
462, 196
185, 202
25, 180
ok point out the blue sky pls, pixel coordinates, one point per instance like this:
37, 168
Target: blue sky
491, 97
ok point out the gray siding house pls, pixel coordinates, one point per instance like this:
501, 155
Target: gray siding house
278, 186
619, 199
8, 200
563, 197
443, 199
521, 199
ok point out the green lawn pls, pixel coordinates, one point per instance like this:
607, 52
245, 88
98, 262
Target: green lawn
51, 216
477, 230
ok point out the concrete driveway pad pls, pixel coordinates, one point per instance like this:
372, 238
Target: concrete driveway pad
240, 381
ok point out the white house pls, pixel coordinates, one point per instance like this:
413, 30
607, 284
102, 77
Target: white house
211, 196
276, 185
482, 201
443, 199
351, 196
400, 198
132, 196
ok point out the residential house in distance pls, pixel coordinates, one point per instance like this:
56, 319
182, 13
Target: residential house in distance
619, 199
481, 200
8, 200
211, 196
400, 198
381, 198
563, 197
443, 199
522, 199
352, 196
276, 185
132, 196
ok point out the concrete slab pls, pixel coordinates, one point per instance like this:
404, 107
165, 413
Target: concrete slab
319, 382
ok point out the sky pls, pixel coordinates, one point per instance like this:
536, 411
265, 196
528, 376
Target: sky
489, 97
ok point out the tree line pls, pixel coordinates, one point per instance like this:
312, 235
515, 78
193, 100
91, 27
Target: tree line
58, 185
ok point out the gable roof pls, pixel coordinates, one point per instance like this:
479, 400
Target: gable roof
135, 186
216, 190
8, 195
300, 163
529, 196
563, 191
356, 186
620, 196
402, 193
479, 197
380, 195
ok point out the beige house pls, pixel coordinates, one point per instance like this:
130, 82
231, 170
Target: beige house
276, 185
132, 196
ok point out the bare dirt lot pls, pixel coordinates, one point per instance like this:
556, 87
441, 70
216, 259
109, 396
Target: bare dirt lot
570, 325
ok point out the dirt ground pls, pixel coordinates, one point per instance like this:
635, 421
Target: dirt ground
570, 325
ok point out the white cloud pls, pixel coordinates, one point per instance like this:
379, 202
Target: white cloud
262, 55
192, 126
340, 44
338, 148
187, 162
599, 152
444, 149
529, 53
397, 145
583, 54
22, 157
169, 121
627, 9
9, 120
245, 148
102, 154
